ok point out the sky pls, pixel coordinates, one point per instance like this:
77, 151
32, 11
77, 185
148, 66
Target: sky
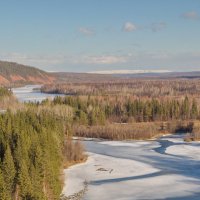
99, 35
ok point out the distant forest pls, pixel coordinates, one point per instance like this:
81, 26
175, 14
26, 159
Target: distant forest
147, 107
132, 87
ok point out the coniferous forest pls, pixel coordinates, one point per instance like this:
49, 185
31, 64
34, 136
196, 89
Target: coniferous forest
35, 138
30, 155
34, 148
131, 108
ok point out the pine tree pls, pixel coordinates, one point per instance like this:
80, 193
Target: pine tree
194, 110
9, 170
82, 117
37, 182
101, 117
147, 112
185, 108
24, 181
93, 118
4, 195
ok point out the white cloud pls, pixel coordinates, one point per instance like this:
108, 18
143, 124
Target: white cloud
132, 60
57, 59
129, 27
155, 27
122, 71
101, 60
86, 31
37, 60
191, 15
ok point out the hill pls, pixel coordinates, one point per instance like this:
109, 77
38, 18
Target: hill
124, 75
162, 74
70, 77
165, 75
12, 73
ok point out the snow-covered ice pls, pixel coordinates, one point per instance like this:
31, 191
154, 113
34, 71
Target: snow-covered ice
185, 150
167, 168
31, 93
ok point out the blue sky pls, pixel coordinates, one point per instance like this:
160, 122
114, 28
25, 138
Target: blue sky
95, 35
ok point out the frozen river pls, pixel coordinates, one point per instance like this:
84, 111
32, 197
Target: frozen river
167, 168
31, 93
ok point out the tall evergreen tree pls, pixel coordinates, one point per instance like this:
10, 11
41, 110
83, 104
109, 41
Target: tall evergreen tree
194, 110
4, 193
9, 171
24, 181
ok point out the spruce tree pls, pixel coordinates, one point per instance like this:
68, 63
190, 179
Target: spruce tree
9, 171
194, 110
24, 181
4, 195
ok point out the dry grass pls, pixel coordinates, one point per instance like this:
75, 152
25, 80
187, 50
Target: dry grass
133, 131
195, 134
117, 131
73, 153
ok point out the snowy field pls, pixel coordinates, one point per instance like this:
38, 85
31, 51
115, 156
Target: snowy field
167, 168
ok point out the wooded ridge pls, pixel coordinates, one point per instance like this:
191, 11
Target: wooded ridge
12, 74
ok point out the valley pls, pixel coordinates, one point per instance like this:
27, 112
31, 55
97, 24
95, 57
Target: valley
100, 100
